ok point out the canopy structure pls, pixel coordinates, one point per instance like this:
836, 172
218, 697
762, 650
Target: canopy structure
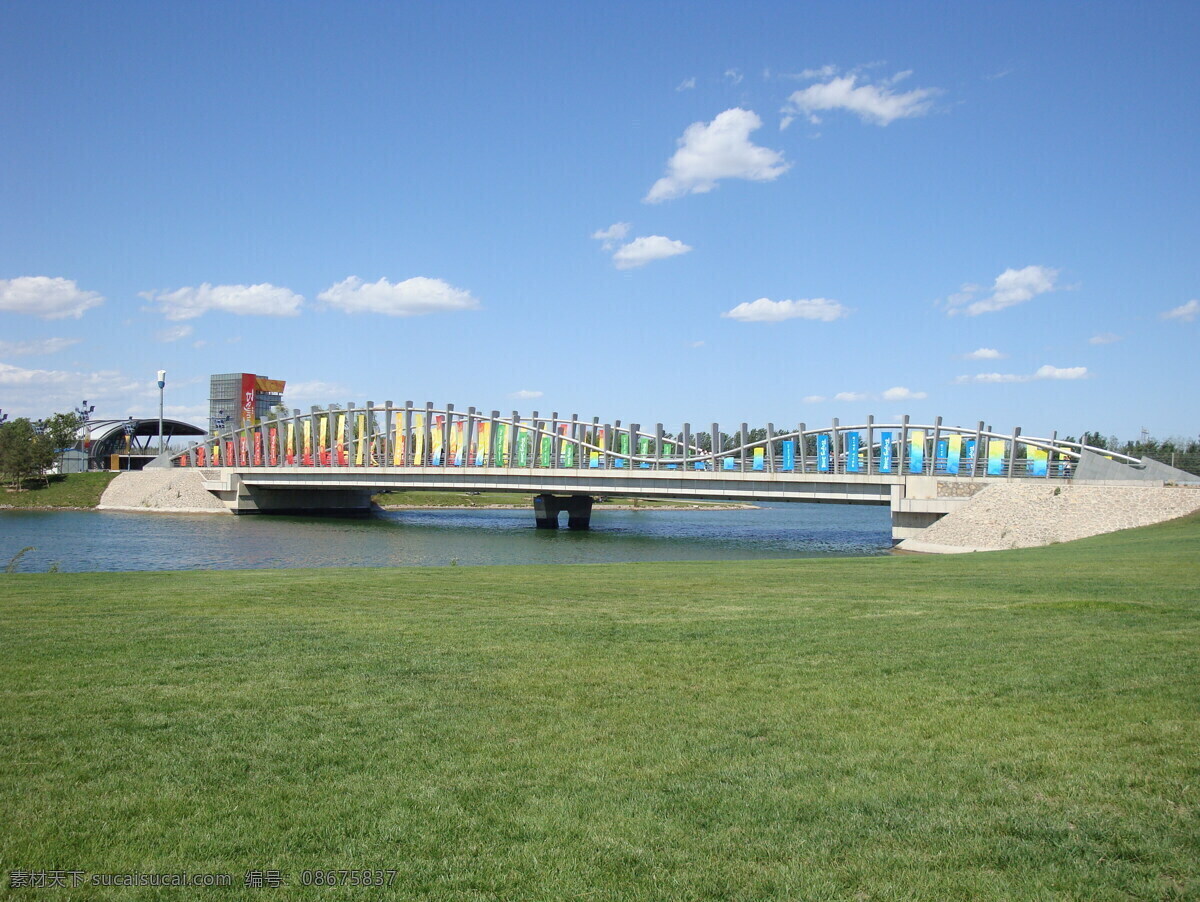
108, 438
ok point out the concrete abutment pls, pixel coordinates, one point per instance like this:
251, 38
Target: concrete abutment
546, 510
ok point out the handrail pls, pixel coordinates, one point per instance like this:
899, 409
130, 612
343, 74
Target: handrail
425, 436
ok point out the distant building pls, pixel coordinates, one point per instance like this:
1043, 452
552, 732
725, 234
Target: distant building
238, 399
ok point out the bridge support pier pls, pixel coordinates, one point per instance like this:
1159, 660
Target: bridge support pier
546, 509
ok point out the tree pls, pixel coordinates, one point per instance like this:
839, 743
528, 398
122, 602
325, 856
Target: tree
24, 453
62, 430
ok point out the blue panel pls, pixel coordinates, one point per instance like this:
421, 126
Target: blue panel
728, 464
789, 455
940, 454
885, 452
823, 453
852, 448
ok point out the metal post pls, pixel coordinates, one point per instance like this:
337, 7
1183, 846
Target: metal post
386, 447
937, 434
870, 443
162, 384
978, 449
1012, 452
687, 445
468, 435
834, 447
406, 457
512, 439
770, 451
426, 436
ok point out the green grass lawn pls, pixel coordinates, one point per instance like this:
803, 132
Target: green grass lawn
1015, 725
73, 490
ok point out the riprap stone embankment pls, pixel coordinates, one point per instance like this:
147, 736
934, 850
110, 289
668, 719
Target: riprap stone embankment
1029, 515
174, 490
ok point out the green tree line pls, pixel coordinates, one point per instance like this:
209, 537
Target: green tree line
28, 448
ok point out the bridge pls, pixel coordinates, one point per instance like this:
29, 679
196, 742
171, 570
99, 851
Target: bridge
333, 459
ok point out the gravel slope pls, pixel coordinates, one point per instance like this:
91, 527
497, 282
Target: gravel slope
164, 490
1026, 516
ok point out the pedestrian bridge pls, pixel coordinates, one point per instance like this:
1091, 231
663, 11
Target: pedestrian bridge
332, 460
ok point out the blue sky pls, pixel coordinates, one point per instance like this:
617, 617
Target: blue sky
652, 212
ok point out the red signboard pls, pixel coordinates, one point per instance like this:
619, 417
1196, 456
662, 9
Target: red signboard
248, 386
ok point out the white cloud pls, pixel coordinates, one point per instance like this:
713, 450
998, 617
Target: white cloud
984, 354
641, 251
765, 310
49, 298
877, 104
189, 413
305, 394
1061, 372
525, 395
244, 300
695, 344
687, 84
1013, 286
174, 333
37, 392
1185, 313
823, 72
37, 347
1042, 372
1104, 338
412, 297
900, 393
734, 76
720, 149
609, 237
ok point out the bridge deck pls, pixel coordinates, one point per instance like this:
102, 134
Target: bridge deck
840, 488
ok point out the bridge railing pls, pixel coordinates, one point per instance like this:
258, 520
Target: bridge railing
390, 436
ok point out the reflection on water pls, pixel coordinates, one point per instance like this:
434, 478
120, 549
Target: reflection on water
94, 540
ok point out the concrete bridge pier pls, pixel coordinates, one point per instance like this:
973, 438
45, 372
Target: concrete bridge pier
546, 509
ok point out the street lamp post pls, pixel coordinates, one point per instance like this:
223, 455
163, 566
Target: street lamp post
85, 414
162, 384
130, 426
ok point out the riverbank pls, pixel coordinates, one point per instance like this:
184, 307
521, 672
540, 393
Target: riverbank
76, 491
1014, 725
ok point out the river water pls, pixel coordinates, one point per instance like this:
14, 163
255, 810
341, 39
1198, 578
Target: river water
97, 540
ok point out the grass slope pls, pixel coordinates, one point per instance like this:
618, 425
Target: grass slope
73, 490
1017, 725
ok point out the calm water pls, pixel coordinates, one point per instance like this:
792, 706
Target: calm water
93, 540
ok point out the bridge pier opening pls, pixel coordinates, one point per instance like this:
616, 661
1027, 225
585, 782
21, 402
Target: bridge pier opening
546, 509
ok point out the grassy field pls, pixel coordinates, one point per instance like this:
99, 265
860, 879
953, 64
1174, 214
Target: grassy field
73, 490
1016, 725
